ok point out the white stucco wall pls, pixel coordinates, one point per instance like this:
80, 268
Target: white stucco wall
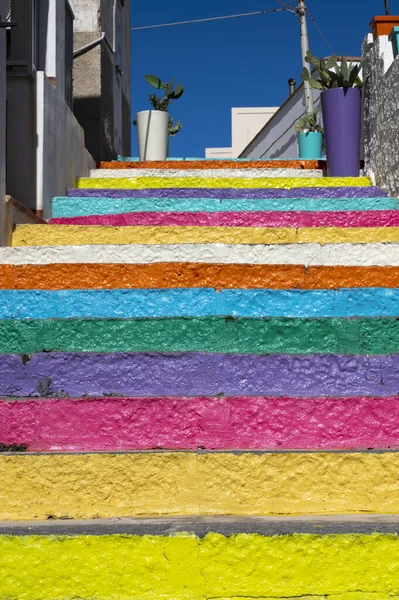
278, 139
381, 114
2, 123
219, 153
245, 124
86, 15
61, 152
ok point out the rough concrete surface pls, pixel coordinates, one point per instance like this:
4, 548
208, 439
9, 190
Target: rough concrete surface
184, 567
184, 165
240, 423
197, 302
201, 526
169, 173
65, 206
251, 255
197, 374
75, 235
389, 218
225, 335
40, 486
380, 115
219, 182
355, 191
110, 275
233, 193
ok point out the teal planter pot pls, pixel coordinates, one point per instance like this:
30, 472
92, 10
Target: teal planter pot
310, 145
394, 39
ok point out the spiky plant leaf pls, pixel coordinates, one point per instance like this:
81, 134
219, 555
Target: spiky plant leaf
305, 74
353, 76
331, 61
316, 84
344, 72
312, 60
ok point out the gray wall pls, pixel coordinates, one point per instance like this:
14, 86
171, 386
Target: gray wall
102, 76
21, 140
2, 124
381, 114
61, 153
45, 144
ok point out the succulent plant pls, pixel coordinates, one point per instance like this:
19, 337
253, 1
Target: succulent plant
162, 103
331, 73
308, 123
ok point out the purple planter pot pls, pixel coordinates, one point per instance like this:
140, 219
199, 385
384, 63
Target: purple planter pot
342, 130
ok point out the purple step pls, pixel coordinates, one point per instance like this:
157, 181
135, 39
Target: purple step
252, 194
197, 374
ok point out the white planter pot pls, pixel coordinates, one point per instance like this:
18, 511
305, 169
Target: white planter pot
152, 131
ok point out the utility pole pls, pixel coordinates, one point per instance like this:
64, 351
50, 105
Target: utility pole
301, 12
386, 2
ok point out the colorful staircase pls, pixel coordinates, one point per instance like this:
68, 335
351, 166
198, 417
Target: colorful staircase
199, 373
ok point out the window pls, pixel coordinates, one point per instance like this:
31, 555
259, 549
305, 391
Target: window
22, 40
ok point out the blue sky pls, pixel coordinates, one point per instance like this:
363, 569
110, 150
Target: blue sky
239, 62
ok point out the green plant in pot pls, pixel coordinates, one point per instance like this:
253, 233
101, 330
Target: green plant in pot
156, 126
340, 85
310, 136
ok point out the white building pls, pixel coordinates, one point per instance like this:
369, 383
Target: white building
245, 124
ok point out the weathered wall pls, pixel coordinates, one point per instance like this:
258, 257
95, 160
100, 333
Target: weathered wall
21, 140
381, 124
61, 153
3, 95
102, 76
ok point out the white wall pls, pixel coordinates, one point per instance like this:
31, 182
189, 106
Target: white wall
86, 15
245, 124
61, 153
381, 114
214, 153
2, 123
278, 139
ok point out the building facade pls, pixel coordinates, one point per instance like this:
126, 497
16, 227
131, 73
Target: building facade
245, 124
101, 87
49, 145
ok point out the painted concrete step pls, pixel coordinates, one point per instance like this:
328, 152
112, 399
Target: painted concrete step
66, 207
197, 302
214, 164
102, 485
46, 274
201, 526
219, 182
76, 235
51, 424
223, 335
188, 567
199, 174
353, 189
359, 218
212, 265
197, 374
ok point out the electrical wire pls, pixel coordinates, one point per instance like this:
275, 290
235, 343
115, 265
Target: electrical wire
313, 20
250, 14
